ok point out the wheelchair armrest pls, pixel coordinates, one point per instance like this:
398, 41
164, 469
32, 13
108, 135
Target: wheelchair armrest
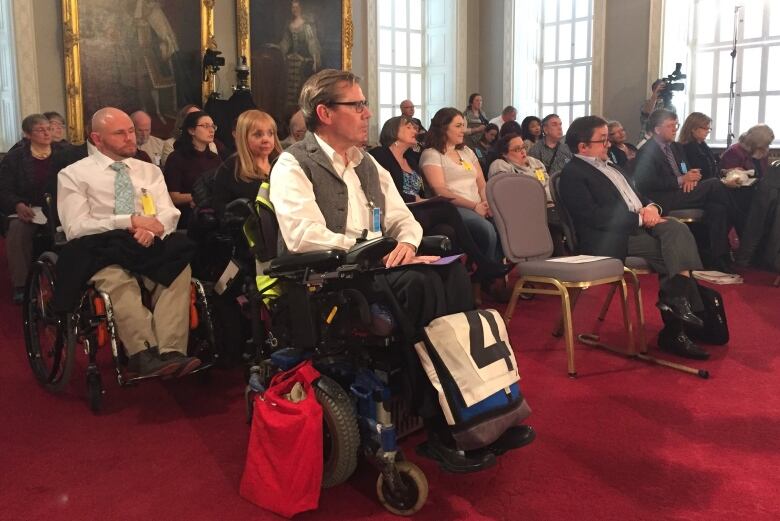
370, 252
296, 262
434, 245
241, 206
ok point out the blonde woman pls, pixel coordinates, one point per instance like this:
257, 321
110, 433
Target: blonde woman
257, 147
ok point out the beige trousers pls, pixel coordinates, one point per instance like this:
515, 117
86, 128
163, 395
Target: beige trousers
19, 249
167, 327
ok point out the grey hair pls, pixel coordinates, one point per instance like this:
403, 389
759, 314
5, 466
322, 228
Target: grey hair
757, 136
30, 121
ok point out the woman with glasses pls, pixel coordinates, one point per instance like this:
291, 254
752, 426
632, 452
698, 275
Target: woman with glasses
257, 147
57, 124
693, 138
396, 154
26, 174
514, 159
215, 147
190, 159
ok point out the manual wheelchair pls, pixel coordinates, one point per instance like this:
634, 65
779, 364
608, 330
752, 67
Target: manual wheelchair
51, 338
315, 306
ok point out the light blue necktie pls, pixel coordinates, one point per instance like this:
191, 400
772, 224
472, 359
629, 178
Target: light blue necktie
124, 199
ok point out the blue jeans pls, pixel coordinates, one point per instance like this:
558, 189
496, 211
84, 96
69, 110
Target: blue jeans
484, 233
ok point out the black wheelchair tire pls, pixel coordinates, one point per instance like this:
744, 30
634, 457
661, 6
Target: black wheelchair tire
341, 437
55, 376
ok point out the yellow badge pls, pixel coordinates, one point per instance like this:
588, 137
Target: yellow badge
540, 175
467, 165
147, 203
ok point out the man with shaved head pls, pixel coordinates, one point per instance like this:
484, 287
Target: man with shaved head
144, 139
113, 194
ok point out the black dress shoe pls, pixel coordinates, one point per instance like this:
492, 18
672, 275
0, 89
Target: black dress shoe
513, 438
679, 344
453, 460
680, 308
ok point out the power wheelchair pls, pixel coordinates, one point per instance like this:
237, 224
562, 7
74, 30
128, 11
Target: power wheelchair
51, 338
315, 306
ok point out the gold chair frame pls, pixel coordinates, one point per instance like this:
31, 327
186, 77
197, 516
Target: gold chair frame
633, 279
568, 300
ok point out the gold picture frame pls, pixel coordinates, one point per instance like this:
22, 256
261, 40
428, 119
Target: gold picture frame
245, 22
72, 40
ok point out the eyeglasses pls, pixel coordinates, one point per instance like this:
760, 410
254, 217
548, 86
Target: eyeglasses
708, 129
674, 125
41, 130
516, 149
358, 105
207, 126
604, 141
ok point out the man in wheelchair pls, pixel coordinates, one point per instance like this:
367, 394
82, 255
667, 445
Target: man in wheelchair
327, 194
123, 204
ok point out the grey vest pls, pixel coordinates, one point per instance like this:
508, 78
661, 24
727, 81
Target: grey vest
330, 191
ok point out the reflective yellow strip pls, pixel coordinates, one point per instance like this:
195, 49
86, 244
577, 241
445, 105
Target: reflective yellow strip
331, 315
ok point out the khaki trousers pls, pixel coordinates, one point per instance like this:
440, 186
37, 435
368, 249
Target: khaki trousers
167, 327
19, 249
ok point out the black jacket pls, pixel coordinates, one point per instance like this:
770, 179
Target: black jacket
83, 257
385, 158
600, 216
700, 156
654, 176
16, 179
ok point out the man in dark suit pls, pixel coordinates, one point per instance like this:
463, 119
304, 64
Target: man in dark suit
661, 173
611, 218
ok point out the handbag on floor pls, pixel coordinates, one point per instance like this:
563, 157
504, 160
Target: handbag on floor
715, 329
470, 363
283, 471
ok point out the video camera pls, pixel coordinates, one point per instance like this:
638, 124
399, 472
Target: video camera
672, 83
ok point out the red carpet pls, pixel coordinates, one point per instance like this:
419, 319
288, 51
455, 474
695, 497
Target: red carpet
625, 441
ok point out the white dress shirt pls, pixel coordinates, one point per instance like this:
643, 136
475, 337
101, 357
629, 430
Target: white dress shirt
85, 196
301, 222
153, 147
498, 121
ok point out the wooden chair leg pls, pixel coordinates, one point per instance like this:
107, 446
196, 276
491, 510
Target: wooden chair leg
568, 329
640, 314
607, 302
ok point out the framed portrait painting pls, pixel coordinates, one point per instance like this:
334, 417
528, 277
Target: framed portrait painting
134, 55
286, 41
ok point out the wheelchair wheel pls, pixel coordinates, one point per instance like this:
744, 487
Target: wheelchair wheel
341, 437
416, 494
50, 340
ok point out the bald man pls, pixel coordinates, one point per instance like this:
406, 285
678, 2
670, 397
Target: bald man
144, 139
102, 193
407, 109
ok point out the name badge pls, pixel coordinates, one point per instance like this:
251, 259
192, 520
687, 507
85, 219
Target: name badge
539, 175
147, 203
467, 166
375, 217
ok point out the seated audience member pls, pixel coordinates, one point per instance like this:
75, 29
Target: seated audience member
396, 155
190, 159
257, 147
321, 188
550, 150
101, 193
510, 127
531, 130
168, 143
297, 129
476, 121
514, 159
452, 170
145, 141
58, 128
751, 152
26, 174
407, 109
693, 138
620, 152
661, 174
485, 145
612, 219
508, 114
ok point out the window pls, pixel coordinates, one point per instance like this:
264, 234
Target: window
400, 56
700, 35
553, 56
9, 111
